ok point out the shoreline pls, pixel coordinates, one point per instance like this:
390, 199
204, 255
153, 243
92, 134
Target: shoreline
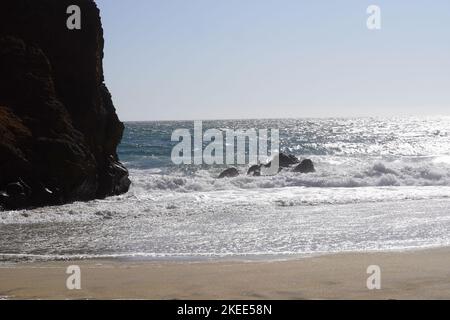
411, 274
233, 258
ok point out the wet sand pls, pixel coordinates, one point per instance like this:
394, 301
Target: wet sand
421, 274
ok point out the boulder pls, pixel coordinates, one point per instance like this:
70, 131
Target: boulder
15, 196
17, 188
229, 173
285, 160
254, 170
306, 166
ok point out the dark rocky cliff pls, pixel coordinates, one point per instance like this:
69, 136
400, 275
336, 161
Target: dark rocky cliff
58, 127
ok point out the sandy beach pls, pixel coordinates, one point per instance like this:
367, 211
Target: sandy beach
404, 275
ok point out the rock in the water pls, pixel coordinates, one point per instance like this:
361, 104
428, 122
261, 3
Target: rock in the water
306, 166
229, 173
58, 126
285, 160
254, 170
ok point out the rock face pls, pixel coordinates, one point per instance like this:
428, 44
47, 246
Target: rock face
306, 166
58, 126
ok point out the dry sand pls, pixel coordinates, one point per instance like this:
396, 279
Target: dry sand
407, 275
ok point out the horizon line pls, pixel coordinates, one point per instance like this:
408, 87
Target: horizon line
296, 118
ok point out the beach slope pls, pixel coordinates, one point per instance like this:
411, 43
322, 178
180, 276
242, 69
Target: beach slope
407, 275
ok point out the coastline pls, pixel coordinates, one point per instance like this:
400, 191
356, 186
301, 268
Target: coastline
412, 274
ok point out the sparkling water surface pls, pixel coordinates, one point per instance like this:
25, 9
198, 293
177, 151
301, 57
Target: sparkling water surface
381, 184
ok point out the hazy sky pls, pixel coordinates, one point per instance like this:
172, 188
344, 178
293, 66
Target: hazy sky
215, 59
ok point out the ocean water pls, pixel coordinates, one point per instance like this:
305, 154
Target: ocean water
381, 184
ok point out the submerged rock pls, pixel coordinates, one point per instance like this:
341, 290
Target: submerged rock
58, 126
229, 173
306, 166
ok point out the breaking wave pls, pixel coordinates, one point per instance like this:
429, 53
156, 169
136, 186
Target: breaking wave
413, 172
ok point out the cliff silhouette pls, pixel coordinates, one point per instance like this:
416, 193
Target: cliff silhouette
59, 130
